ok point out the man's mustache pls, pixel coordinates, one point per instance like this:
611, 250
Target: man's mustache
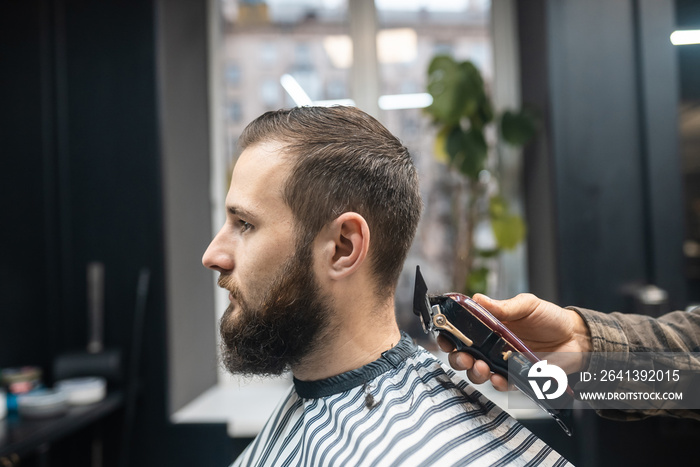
226, 282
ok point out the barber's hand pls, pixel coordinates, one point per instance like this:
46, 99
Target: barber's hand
541, 325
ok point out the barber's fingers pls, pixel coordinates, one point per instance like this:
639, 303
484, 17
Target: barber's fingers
461, 361
479, 372
445, 344
501, 383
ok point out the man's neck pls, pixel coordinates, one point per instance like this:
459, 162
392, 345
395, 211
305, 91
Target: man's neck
351, 345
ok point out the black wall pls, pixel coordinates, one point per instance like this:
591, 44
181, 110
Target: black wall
29, 259
603, 185
82, 181
688, 17
603, 189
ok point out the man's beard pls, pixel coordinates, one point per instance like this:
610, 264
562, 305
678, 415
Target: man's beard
270, 335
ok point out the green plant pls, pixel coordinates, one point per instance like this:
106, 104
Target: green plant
463, 113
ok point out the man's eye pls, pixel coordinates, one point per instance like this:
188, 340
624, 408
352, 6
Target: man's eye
244, 226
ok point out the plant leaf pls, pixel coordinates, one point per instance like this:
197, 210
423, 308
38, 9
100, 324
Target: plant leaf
518, 128
458, 92
498, 207
440, 146
444, 87
492, 253
471, 92
509, 231
508, 228
471, 151
453, 145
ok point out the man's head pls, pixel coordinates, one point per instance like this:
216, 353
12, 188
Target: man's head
344, 160
301, 171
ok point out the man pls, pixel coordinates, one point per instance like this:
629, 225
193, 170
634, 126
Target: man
322, 210
546, 327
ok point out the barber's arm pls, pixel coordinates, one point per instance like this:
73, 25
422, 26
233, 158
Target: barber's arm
546, 327
678, 331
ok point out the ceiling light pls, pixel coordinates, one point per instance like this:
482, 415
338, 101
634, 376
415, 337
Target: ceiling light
405, 101
295, 91
685, 37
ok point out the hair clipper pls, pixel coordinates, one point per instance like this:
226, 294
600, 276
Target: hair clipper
472, 329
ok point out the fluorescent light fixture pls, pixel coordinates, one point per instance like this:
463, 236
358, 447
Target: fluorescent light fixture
405, 101
332, 102
685, 37
388, 102
295, 91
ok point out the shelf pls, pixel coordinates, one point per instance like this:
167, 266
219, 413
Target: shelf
21, 436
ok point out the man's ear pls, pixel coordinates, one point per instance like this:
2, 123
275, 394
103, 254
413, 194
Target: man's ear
348, 244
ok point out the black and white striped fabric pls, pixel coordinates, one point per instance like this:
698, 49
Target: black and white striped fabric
405, 409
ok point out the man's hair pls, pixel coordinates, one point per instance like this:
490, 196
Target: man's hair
344, 160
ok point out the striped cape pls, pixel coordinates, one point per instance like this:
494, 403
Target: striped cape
405, 409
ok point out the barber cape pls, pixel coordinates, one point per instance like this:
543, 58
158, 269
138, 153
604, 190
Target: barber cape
405, 409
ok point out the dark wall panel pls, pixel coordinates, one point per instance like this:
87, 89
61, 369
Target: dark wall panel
537, 164
28, 277
604, 74
110, 155
596, 146
659, 91
82, 181
688, 17
603, 175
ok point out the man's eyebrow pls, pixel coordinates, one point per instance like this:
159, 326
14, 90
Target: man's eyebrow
239, 211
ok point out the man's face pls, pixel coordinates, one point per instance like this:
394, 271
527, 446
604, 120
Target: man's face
277, 312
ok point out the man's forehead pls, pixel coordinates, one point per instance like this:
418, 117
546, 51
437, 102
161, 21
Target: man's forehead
267, 155
258, 177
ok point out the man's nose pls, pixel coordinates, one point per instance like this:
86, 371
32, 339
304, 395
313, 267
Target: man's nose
219, 254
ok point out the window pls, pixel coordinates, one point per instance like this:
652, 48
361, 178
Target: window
264, 45
268, 53
288, 37
302, 56
337, 89
233, 111
270, 93
410, 34
308, 45
233, 75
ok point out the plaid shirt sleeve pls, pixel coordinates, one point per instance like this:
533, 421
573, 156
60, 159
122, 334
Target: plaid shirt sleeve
621, 333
